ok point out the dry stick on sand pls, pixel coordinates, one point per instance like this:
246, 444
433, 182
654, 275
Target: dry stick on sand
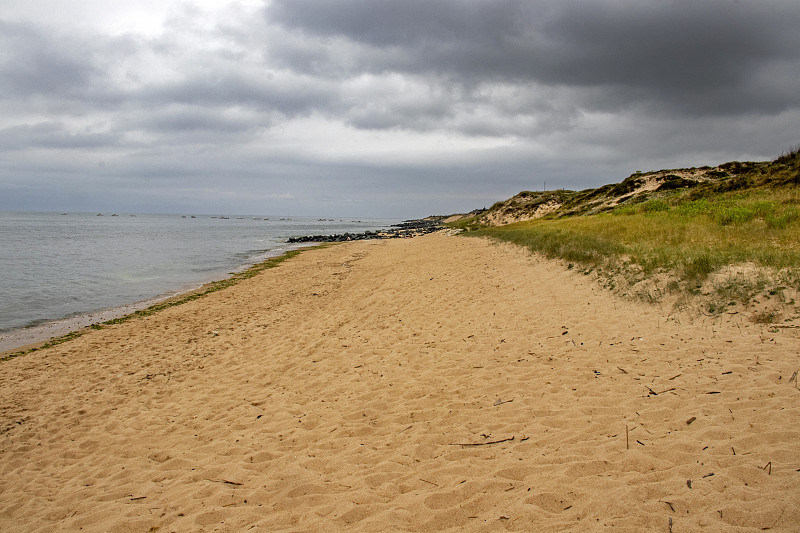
225, 481
482, 443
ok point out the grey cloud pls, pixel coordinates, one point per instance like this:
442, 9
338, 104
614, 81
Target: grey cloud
386, 23
106, 80
51, 71
288, 95
33, 62
214, 123
98, 71
699, 43
52, 135
691, 57
677, 55
514, 92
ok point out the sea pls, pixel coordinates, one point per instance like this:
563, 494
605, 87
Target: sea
63, 271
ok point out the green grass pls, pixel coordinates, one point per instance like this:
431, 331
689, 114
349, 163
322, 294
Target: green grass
466, 224
683, 237
178, 300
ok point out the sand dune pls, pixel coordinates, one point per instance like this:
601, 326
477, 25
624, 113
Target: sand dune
413, 385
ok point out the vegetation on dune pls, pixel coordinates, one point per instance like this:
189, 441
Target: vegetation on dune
733, 238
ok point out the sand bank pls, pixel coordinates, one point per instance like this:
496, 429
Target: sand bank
411, 385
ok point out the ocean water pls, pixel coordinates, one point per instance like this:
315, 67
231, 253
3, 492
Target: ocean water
56, 266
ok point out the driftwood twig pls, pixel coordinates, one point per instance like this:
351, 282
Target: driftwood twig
225, 481
483, 443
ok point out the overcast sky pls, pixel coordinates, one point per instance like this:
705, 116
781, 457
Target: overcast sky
384, 108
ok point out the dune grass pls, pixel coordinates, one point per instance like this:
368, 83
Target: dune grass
676, 235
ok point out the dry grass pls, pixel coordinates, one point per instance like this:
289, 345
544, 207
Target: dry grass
681, 242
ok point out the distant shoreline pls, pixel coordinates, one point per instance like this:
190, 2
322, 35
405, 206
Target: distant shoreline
31, 337
23, 339
63, 273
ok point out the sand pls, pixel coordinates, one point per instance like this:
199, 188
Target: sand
427, 384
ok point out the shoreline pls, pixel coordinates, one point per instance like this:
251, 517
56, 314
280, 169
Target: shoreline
427, 384
22, 340
19, 340
109, 263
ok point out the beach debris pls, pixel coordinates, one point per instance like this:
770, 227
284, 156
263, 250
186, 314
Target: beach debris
500, 401
692, 419
768, 465
689, 483
151, 376
670, 524
225, 481
215, 333
509, 439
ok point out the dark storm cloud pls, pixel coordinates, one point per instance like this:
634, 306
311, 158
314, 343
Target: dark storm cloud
715, 57
387, 23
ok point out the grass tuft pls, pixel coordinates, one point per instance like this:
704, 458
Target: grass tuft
678, 236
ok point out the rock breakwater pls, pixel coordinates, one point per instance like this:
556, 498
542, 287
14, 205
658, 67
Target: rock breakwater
408, 228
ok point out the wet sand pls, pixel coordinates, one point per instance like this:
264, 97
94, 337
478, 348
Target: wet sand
427, 384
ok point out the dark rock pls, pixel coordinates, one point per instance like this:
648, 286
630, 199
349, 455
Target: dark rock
407, 228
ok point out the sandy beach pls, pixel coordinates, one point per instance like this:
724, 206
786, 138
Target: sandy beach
427, 384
